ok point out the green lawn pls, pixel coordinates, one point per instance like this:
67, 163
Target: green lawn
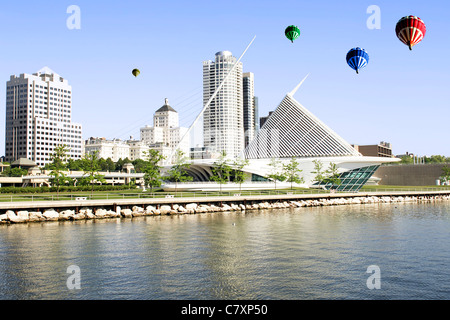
137, 193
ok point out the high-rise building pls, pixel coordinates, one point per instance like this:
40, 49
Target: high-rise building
166, 134
223, 121
249, 106
39, 117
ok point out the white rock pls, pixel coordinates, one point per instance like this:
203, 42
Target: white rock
138, 209
20, 217
127, 213
191, 206
79, 216
226, 207
113, 214
66, 214
150, 209
100, 213
165, 209
35, 216
89, 215
85, 210
51, 215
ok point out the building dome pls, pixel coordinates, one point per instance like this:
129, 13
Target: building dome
224, 53
166, 107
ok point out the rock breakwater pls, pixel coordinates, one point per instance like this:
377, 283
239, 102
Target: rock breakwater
24, 216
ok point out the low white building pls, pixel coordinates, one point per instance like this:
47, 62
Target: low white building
115, 149
138, 149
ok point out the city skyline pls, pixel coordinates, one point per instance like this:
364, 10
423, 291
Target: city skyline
399, 97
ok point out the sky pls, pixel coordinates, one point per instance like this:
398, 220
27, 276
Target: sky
401, 97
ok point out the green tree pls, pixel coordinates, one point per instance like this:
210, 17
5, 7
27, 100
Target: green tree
221, 170
292, 172
14, 172
91, 168
445, 173
58, 166
151, 168
318, 171
406, 160
75, 165
332, 175
139, 164
239, 174
178, 172
276, 173
120, 163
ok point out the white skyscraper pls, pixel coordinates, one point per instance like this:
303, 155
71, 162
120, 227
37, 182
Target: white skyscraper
223, 123
39, 117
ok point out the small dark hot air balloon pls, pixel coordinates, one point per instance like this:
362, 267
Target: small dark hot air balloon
292, 32
410, 30
357, 58
135, 72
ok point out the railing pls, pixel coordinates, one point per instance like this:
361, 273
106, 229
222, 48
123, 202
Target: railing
201, 194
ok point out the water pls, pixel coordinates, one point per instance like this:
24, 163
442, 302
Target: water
303, 253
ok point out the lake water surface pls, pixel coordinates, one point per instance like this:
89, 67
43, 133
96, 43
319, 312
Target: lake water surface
301, 253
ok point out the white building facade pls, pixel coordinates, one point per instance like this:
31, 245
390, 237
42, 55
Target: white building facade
223, 125
166, 135
39, 118
250, 112
114, 149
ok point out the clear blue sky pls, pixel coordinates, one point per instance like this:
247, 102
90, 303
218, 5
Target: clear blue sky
402, 96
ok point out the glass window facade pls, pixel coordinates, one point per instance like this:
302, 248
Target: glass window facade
353, 180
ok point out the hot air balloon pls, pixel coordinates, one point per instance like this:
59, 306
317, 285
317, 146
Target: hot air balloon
135, 72
292, 32
357, 58
410, 30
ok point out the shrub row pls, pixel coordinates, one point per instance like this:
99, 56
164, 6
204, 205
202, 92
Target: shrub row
64, 189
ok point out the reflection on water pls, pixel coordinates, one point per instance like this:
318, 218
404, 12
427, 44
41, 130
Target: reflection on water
303, 253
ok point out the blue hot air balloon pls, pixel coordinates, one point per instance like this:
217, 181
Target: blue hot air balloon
357, 59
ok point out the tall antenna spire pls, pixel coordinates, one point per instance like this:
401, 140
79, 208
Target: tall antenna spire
298, 86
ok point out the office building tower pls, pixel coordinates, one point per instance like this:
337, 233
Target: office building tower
166, 134
249, 106
223, 121
39, 117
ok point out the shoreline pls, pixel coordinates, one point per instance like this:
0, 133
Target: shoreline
39, 212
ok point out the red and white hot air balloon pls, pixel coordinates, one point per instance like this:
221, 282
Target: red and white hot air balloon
410, 30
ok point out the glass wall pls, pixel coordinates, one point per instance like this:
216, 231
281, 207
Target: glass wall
353, 180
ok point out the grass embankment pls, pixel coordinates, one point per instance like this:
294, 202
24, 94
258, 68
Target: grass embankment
138, 193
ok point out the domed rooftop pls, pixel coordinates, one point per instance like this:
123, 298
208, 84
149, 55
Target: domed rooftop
224, 53
166, 107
